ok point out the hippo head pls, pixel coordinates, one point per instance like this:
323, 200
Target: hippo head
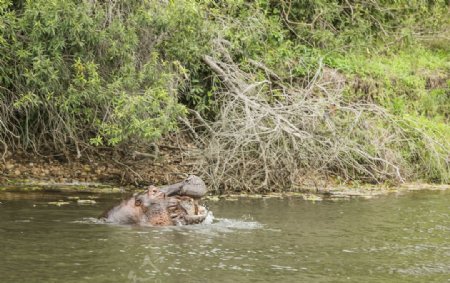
129, 211
155, 206
148, 198
193, 186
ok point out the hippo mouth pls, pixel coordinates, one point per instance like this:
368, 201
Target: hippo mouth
171, 205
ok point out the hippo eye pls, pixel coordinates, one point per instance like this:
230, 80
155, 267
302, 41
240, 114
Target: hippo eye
137, 202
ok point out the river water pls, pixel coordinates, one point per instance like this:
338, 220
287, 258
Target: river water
402, 238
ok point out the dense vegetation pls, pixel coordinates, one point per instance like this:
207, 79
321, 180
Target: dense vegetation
354, 89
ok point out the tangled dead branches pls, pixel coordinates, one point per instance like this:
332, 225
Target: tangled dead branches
270, 134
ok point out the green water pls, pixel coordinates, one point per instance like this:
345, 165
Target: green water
391, 239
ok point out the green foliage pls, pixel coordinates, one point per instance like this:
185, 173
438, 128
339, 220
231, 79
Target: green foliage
411, 83
413, 80
85, 72
428, 162
77, 73
353, 25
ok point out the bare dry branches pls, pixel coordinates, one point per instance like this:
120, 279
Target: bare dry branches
264, 143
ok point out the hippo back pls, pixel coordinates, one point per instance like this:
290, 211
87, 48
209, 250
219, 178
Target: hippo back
125, 213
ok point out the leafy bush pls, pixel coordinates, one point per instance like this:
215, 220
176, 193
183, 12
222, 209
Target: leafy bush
349, 25
79, 73
75, 71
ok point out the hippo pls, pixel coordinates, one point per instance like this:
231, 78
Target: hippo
131, 210
127, 212
193, 186
175, 204
172, 210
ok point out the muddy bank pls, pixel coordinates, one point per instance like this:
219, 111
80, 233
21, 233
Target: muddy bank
121, 171
311, 194
168, 162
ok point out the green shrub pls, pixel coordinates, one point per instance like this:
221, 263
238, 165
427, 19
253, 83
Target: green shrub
76, 71
354, 25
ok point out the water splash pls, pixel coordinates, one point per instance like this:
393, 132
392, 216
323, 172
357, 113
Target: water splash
211, 223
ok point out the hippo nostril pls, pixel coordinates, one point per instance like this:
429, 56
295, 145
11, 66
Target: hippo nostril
137, 202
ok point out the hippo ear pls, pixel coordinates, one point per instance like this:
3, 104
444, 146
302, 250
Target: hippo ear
137, 202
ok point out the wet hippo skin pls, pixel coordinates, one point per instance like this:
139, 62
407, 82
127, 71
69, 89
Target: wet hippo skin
171, 205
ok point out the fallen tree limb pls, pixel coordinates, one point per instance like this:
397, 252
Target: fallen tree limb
264, 143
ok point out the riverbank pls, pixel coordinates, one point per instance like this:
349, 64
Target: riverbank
159, 164
333, 193
113, 171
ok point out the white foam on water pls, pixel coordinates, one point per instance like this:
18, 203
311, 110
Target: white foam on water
90, 220
210, 224
237, 224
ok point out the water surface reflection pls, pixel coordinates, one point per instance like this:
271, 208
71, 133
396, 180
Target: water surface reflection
391, 239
